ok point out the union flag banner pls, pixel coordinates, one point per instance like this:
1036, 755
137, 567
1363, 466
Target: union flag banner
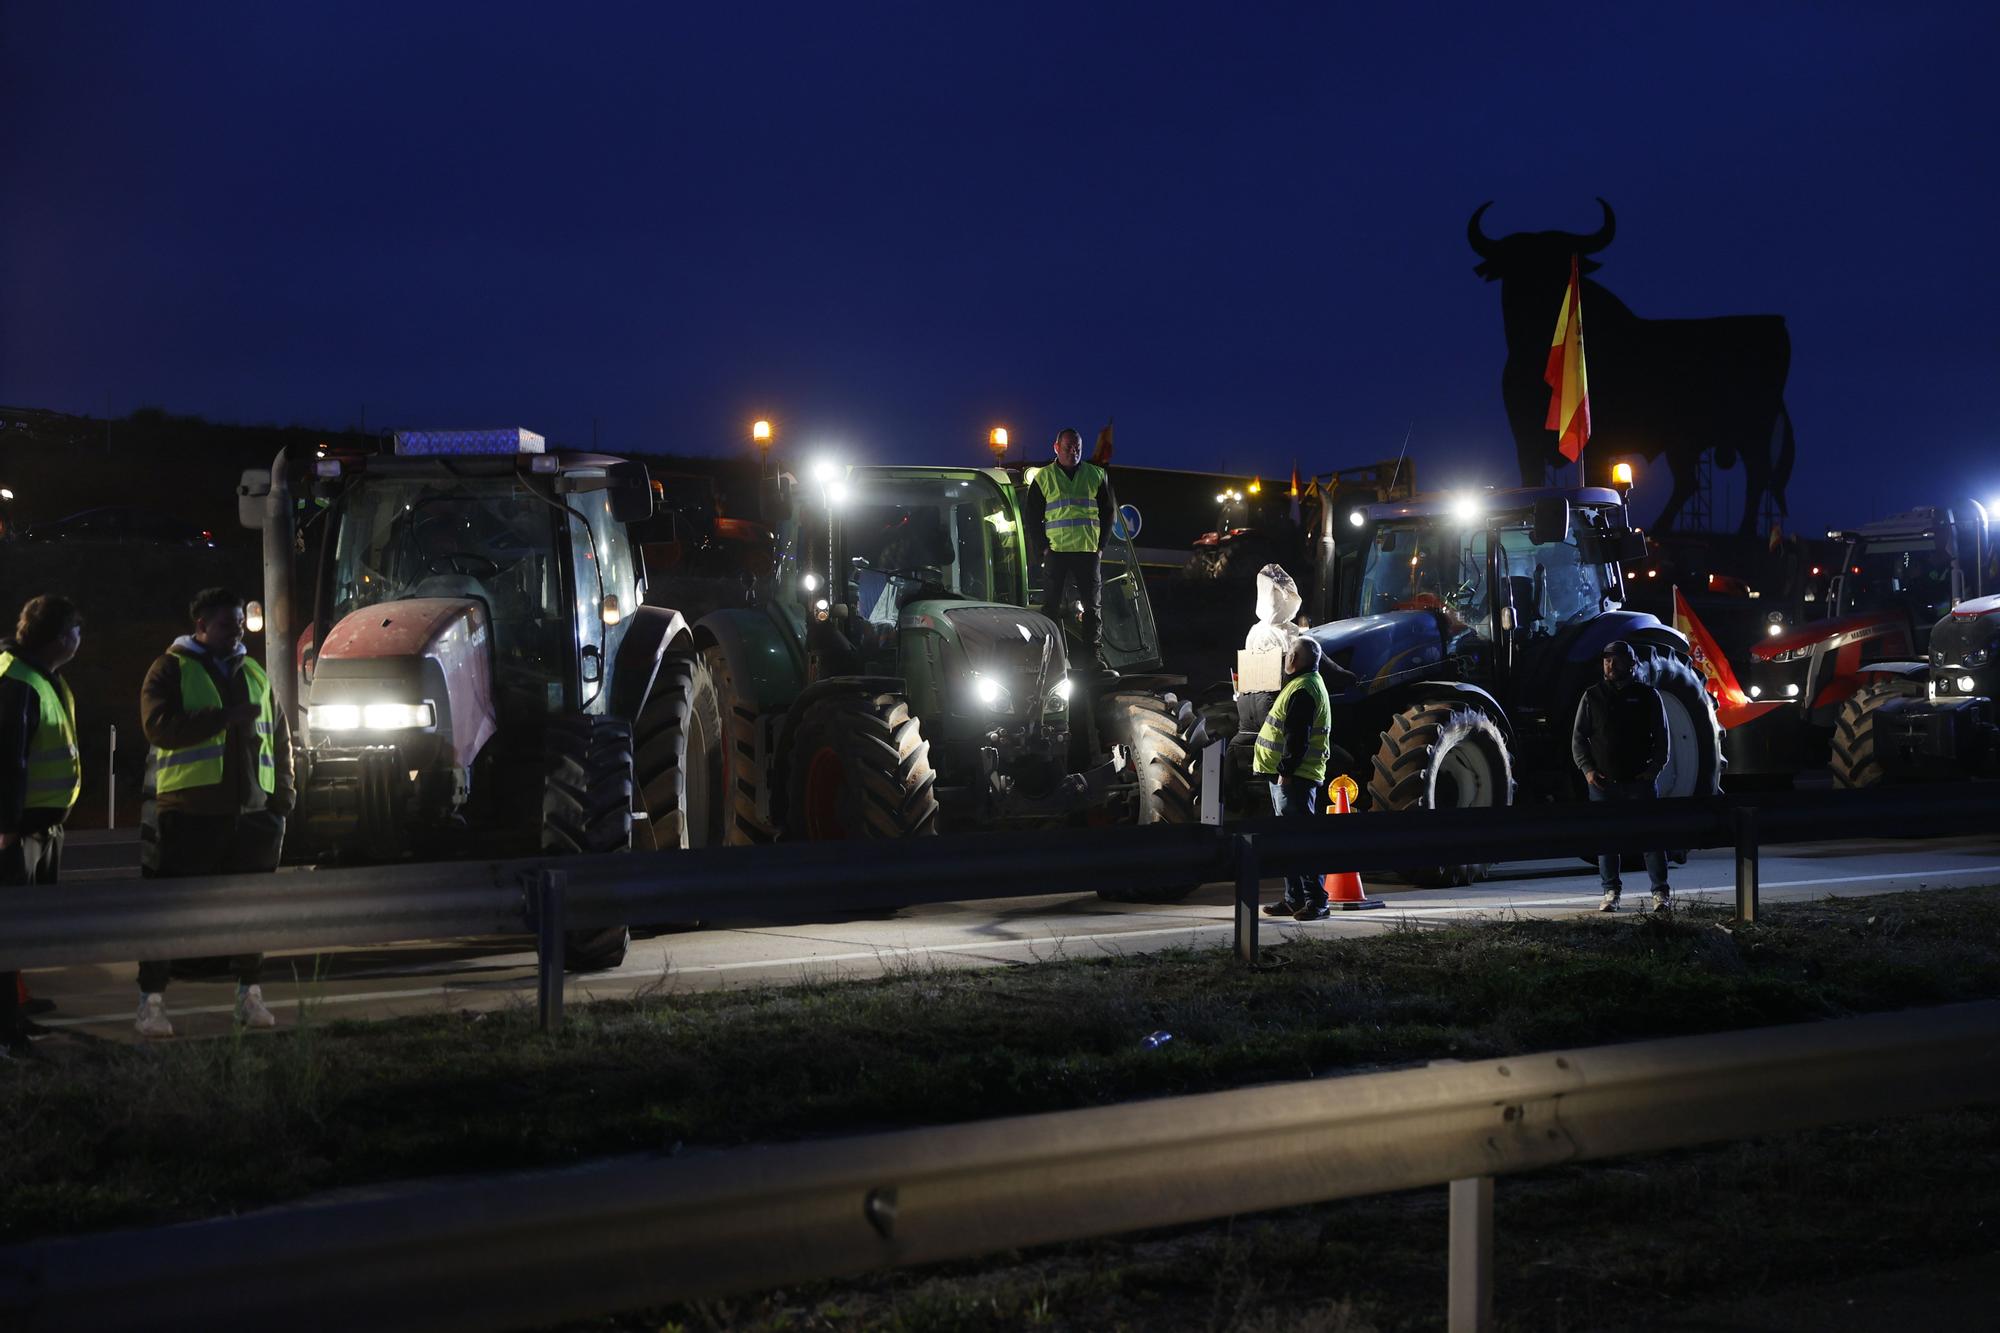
1568, 381
1732, 706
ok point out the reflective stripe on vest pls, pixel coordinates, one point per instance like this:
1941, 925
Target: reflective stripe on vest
1271, 737
1070, 506
201, 764
55, 769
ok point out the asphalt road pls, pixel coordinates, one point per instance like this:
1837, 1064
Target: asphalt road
432, 976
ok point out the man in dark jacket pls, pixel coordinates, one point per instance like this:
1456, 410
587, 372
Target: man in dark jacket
41, 771
1620, 744
222, 772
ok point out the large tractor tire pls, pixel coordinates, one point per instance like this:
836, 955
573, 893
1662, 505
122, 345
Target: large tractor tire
861, 768
677, 759
741, 777
1855, 758
1694, 733
1442, 756
1145, 725
587, 811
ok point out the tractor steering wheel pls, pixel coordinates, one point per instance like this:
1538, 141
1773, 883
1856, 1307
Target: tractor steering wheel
459, 562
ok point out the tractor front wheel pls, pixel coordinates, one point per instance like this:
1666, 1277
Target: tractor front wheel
1442, 756
1856, 757
861, 768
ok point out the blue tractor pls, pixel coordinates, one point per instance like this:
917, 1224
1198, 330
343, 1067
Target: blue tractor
1459, 632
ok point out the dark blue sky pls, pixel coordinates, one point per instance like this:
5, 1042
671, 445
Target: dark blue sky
1240, 230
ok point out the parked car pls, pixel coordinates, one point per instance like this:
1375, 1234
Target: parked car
121, 523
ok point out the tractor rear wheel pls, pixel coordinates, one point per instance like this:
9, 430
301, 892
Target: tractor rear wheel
1856, 757
677, 759
587, 811
1694, 733
861, 768
1442, 756
1145, 725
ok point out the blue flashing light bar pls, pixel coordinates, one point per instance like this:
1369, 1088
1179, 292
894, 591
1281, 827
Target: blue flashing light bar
460, 443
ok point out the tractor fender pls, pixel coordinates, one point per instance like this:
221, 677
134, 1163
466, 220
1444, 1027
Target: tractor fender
1632, 626
1448, 691
1892, 670
766, 668
650, 635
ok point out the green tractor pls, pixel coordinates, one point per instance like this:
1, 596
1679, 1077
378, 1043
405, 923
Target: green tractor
894, 680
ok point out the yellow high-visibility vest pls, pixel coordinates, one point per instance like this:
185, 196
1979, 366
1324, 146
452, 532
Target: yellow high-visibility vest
1319, 741
1071, 506
200, 764
55, 767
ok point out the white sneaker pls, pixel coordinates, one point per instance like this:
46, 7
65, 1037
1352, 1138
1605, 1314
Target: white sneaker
251, 1011
152, 1020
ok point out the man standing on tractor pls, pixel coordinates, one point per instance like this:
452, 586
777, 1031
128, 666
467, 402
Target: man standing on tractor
41, 774
223, 770
1071, 503
1621, 744
1292, 753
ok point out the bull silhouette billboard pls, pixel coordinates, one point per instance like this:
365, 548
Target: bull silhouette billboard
1672, 388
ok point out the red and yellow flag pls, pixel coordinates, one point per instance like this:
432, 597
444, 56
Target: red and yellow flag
1732, 706
1568, 381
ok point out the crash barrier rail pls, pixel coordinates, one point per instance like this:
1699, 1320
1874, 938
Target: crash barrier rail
801, 883
536, 1247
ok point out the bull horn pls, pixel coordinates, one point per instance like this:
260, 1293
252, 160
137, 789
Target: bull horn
1600, 238
1481, 246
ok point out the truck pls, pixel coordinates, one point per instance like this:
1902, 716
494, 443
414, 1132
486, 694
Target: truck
468, 662
1466, 628
896, 679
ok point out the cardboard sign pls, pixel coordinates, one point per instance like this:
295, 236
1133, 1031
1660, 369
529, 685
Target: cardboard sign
1260, 671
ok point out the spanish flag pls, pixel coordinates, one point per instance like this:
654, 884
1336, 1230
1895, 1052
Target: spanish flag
1732, 706
1568, 381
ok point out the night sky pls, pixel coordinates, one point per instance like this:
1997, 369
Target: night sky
1239, 229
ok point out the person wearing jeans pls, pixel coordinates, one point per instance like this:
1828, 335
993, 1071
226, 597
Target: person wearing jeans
1292, 753
222, 769
1620, 744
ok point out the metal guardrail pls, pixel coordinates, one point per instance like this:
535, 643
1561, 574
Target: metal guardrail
532, 1248
794, 883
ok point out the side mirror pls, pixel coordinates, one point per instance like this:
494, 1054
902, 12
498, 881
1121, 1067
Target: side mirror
1551, 522
251, 491
631, 493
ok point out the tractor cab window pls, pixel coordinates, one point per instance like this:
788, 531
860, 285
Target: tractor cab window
908, 538
1550, 585
1426, 567
1910, 573
485, 538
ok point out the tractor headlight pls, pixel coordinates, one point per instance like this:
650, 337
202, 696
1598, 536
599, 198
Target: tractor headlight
1059, 695
990, 692
372, 717
1967, 684
1977, 657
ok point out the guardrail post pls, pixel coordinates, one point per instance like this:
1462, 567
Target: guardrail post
1746, 863
1211, 783
1248, 879
550, 887
1470, 1302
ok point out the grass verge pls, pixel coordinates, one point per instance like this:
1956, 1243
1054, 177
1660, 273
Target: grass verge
111, 1135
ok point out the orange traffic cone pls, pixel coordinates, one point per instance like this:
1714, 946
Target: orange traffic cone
1343, 887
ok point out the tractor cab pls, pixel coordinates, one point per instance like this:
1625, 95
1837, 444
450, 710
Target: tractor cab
1914, 567
1503, 584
